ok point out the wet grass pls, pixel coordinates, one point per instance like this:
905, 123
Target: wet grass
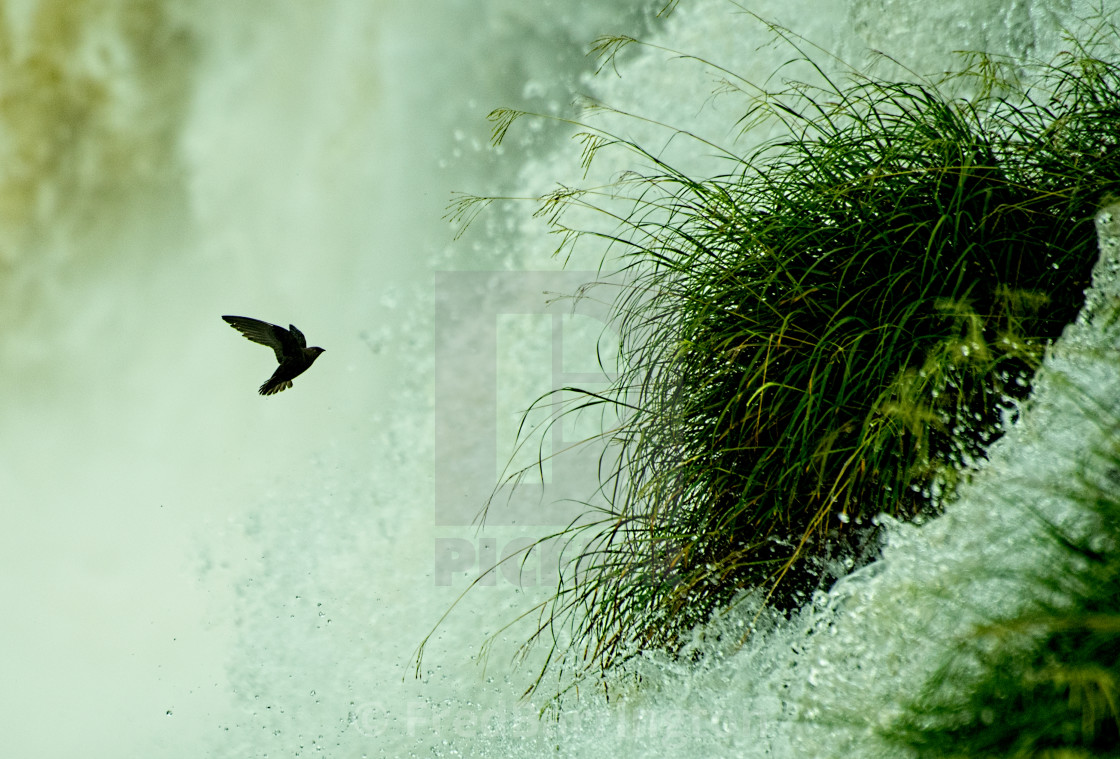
834, 328
1045, 682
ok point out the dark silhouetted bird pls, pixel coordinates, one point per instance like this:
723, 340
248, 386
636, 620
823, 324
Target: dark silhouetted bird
290, 345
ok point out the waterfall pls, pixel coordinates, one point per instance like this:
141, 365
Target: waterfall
194, 570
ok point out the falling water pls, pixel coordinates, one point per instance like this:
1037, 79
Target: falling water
192, 570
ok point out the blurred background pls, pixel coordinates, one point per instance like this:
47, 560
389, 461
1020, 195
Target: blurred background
170, 555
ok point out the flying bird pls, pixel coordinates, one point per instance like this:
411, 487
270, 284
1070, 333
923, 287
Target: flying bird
290, 345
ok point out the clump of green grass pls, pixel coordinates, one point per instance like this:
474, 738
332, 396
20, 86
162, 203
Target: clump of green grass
1046, 682
832, 329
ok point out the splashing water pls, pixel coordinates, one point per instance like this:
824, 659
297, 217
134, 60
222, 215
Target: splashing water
192, 570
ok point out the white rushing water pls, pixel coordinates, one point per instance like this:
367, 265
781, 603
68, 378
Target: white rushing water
192, 570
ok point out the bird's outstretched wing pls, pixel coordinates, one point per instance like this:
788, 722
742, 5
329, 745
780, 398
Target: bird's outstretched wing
274, 336
301, 341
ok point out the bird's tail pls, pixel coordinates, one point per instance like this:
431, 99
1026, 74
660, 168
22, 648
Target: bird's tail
270, 389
